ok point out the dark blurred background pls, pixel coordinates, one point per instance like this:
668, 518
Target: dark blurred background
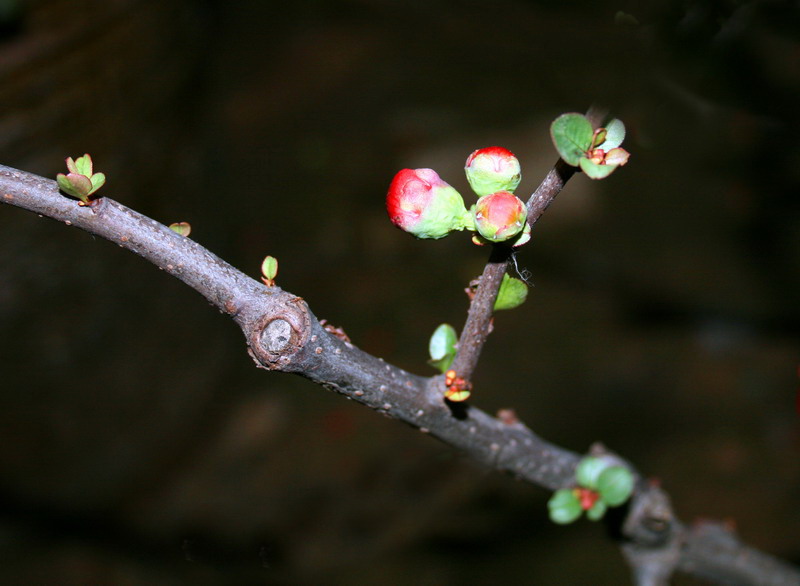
141, 446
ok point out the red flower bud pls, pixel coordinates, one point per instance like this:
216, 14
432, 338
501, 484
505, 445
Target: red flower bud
499, 216
492, 169
420, 203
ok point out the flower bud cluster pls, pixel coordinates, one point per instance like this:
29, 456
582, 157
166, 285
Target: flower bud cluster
424, 205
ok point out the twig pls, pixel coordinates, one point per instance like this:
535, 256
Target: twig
476, 329
479, 315
283, 334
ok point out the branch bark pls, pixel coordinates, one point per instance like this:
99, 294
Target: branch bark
283, 334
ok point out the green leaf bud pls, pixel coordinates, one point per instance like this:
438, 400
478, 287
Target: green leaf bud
589, 470
442, 347
615, 485
564, 506
512, 293
597, 511
269, 270
182, 228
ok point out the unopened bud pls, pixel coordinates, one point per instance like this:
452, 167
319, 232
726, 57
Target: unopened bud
492, 169
420, 203
499, 216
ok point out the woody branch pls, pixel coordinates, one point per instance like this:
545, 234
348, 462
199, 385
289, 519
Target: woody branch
283, 334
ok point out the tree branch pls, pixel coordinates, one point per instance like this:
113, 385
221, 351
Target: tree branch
283, 334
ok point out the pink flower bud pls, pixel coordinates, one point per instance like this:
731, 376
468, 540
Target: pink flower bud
420, 203
499, 216
492, 169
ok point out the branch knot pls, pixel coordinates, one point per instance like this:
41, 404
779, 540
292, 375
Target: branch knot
279, 333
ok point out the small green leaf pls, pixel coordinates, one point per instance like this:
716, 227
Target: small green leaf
564, 507
97, 180
595, 171
442, 347
588, 471
71, 166
182, 228
615, 485
512, 293
80, 182
443, 365
597, 511
598, 137
442, 342
64, 184
572, 136
269, 268
84, 165
615, 134
75, 185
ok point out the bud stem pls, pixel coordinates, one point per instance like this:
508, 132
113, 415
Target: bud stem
476, 329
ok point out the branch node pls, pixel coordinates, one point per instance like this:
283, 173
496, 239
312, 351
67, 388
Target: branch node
276, 333
650, 521
276, 336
